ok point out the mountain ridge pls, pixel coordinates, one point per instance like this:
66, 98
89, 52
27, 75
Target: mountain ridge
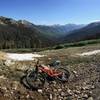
90, 31
24, 34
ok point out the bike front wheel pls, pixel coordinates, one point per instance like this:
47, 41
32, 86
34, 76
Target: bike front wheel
24, 82
35, 80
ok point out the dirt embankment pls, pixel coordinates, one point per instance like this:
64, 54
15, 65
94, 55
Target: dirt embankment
2, 55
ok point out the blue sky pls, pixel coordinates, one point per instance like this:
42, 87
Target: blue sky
52, 11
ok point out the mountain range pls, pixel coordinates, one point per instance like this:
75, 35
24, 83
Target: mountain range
90, 31
24, 34
53, 31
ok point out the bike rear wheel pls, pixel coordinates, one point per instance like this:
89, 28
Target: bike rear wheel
64, 76
35, 80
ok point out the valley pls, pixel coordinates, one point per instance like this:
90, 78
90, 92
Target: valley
77, 47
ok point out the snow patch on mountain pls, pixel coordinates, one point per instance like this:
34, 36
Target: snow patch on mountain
89, 53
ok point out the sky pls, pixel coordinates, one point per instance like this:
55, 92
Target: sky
48, 12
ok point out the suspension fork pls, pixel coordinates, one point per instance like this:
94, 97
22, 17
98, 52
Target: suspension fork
36, 69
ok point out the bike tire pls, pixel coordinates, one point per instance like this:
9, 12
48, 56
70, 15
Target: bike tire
24, 82
35, 80
65, 75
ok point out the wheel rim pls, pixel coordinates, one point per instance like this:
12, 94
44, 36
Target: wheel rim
24, 82
35, 80
64, 75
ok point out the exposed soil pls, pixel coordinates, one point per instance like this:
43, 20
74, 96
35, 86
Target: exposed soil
85, 85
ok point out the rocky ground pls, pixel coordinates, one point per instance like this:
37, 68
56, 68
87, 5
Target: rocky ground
85, 85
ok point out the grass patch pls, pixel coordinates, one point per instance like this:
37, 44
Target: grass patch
25, 50
77, 44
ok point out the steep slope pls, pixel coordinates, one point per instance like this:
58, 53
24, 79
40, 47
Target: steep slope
91, 31
14, 34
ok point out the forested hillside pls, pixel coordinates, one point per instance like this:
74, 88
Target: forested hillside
14, 34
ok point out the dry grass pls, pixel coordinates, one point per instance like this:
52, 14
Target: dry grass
2, 55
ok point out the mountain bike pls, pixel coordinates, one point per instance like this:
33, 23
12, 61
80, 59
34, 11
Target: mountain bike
36, 78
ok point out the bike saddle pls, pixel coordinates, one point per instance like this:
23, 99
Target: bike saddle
55, 63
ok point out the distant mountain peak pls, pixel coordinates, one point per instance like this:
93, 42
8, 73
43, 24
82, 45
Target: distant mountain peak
6, 20
95, 23
26, 23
